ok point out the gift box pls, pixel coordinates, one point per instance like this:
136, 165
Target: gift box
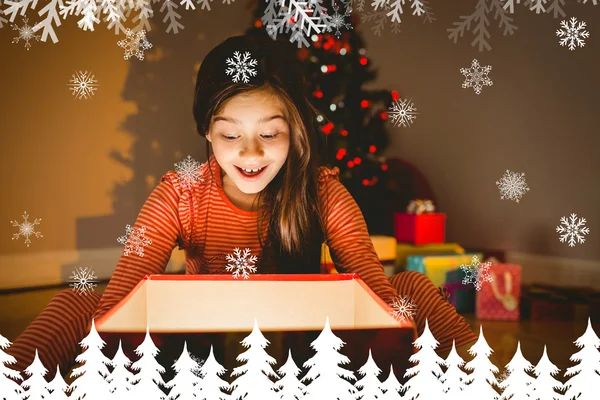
429, 228
385, 247
436, 266
462, 296
403, 250
499, 299
290, 310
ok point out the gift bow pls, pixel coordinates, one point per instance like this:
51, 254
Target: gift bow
419, 206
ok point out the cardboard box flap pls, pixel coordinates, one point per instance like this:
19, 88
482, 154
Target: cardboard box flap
219, 303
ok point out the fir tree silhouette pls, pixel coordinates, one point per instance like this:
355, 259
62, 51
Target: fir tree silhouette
57, 387
453, 380
585, 378
90, 382
9, 388
120, 378
147, 382
391, 387
184, 384
36, 385
289, 387
544, 384
211, 384
253, 382
370, 383
424, 381
328, 379
482, 377
517, 385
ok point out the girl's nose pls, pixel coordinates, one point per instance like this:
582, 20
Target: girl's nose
252, 147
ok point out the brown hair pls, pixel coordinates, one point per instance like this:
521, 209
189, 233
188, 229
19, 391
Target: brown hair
295, 229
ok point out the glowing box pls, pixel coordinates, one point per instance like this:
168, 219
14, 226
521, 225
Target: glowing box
291, 311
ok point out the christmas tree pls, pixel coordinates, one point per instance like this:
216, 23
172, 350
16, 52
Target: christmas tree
352, 126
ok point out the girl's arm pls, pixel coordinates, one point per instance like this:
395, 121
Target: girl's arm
161, 218
352, 251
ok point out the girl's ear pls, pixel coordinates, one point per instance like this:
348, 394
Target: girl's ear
208, 137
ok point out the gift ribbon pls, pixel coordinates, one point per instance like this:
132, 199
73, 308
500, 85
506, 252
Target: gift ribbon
507, 299
419, 206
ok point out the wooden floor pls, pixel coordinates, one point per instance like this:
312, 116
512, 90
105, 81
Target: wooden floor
17, 310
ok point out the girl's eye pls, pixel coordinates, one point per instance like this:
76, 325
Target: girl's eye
267, 136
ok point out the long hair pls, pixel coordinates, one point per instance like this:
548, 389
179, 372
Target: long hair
290, 202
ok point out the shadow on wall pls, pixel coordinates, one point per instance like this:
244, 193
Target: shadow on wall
162, 130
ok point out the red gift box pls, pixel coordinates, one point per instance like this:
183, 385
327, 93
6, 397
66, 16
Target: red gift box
420, 229
499, 299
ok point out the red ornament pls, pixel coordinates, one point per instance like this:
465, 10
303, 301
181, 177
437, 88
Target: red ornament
327, 128
364, 103
372, 149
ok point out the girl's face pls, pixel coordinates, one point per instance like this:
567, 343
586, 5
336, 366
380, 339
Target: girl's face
250, 133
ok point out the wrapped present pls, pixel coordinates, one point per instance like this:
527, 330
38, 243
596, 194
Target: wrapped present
403, 250
290, 310
385, 247
462, 296
427, 228
436, 266
498, 299
556, 303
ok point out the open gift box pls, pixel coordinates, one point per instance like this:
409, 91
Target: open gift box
291, 311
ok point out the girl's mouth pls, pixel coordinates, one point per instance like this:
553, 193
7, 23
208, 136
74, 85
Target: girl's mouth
251, 175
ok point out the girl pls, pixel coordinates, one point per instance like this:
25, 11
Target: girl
262, 189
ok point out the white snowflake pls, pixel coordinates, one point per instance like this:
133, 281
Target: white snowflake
301, 18
134, 44
476, 76
84, 84
83, 281
241, 264
572, 34
188, 171
26, 33
572, 230
512, 186
403, 309
134, 240
476, 273
339, 20
241, 67
26, 228
403, 113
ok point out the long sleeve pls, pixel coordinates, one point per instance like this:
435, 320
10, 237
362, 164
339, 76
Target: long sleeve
349, 242
352, 251
160, 218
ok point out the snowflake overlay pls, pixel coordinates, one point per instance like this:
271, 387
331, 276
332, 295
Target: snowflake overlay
188, 171
300, 18
572, 230
26, 228
26, 33
241, 67
476, 273
241, 264
403, 309
476, 77
134, 240
512, 186
572, 34
83, 281
83, 85
134, 44
403, 113
339, 20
